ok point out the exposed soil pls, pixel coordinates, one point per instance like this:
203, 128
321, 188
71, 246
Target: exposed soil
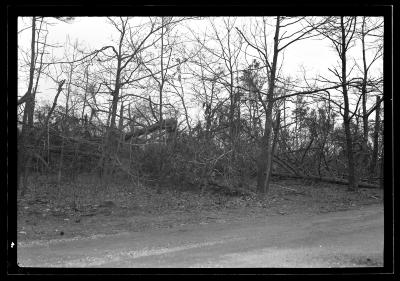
169, 224
352, 238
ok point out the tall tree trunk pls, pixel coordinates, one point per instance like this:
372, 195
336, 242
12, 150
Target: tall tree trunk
382, 167
120, 127
274, 144
296, 122
162, 74
161, 88
86, 92
346, 118
64, 128
375, 151
364, 97
186, 113
231, 112
111, 136
264, 159
24, 153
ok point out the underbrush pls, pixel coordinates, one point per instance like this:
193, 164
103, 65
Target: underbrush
86, 206
87, 192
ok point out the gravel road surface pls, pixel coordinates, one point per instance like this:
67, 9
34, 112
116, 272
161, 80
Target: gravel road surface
351, 238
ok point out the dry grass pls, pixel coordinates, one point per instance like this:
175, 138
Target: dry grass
48, 209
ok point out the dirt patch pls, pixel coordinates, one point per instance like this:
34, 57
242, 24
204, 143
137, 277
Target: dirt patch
86, 209
353, 260
352, 238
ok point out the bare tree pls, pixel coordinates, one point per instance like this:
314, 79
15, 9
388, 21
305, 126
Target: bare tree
340, 31
259, 42
374, 160
179, 90
370, 28
125, 64
252, 118
206, 75
229, 51
28, 100
164, 61
65, 121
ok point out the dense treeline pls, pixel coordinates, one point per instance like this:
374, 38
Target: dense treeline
203, 109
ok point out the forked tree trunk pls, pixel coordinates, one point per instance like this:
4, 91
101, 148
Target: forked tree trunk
265, 157
274, 145
24, 155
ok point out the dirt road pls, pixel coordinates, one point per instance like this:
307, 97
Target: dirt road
342, 239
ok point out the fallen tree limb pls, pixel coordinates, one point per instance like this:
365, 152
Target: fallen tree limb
326, 179
297, 170
168, 124
285, 165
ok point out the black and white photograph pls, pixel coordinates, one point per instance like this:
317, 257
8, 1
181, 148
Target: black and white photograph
201, 141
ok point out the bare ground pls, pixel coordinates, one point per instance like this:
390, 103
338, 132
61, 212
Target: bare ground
298, 225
